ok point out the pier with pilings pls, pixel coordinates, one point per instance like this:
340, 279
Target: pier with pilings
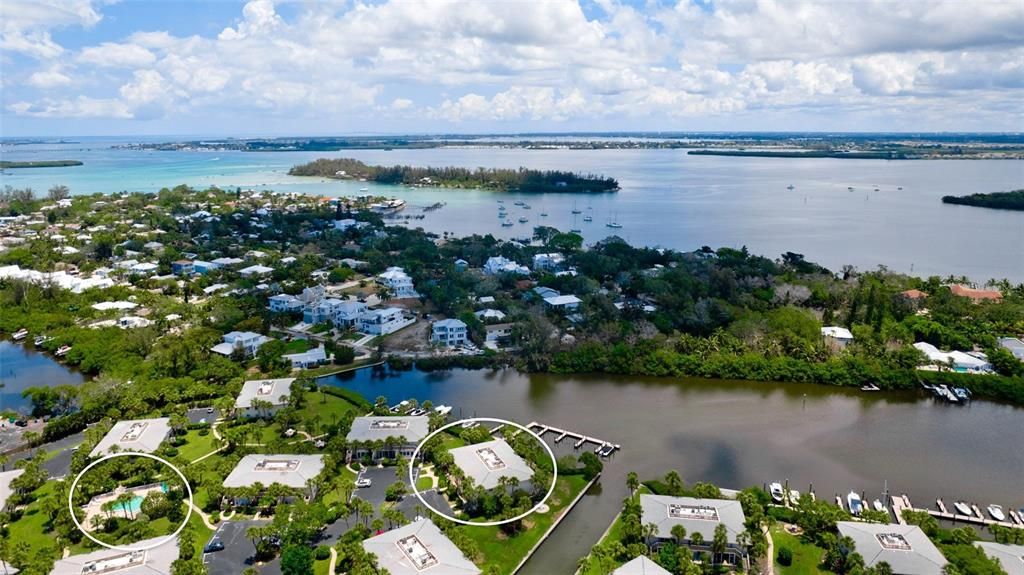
603, 448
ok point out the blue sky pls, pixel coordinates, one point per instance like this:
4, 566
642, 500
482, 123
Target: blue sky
92, 67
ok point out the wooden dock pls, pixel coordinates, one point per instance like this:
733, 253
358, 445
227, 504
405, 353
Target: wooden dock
899, 504
540, 429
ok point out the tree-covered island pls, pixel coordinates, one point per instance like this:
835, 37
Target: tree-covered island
9, 165
503, 180
997, 200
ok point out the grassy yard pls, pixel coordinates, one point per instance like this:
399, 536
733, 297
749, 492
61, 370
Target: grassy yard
806, 557
297, 346
197, 445
30, 527
321, 567
505, 552
424, 483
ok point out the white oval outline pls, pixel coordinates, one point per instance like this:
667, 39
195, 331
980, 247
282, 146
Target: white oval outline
167, 539
554, 478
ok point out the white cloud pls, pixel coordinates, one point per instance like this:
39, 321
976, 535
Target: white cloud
25, 24
50, 78
110, 54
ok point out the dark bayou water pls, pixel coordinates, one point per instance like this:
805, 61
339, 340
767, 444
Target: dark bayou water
21, 367
737, 434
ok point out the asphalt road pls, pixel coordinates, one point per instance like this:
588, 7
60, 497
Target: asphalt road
59, 464
237, 555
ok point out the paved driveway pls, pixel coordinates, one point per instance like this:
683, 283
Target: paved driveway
199, 414
237, 555
381, 478
58, 465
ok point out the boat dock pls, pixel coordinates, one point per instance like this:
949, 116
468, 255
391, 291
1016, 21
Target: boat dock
902, 502
605, 447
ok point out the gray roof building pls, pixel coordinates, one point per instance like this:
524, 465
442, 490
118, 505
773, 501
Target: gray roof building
5, 485
1014, 346
289, 470
1011, 557
142, 435
696, 515
419, 547
904, 547
371, 428
269, 390
641, 566
489, 461
155, 561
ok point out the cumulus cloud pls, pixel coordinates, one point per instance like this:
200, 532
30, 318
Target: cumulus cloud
463, 61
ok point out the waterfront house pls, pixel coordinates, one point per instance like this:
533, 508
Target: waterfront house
497, 333
246, 341
383, 321
321, 311
1010, 557
449, 332
290, 470
548, 262
488, 462
959, 361
641, 565
284, 303
490, 315
368, 434
263, 397
6, 491
398, 282
837, 336
417, 548
1013, 345
562, 303
696, 515
347, 314
496, 265
142, 435
307, 359
154, 558
906, 548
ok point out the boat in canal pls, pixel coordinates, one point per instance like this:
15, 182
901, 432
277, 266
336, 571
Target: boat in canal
776, 490
62, 350
877, 504
963, 508
870, 387
996, 511
20, 334
854, 502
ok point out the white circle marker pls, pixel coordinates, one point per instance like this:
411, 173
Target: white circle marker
554, 472
71, 505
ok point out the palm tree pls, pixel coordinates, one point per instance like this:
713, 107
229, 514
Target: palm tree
678, 533
649, 531
674, 482
719, 542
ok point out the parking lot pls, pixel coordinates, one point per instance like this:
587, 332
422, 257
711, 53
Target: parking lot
383, 477
202, 415
237, 555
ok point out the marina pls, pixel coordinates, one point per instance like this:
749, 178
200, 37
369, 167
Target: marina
604, 448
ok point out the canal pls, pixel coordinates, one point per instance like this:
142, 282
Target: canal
22, 367
736, 434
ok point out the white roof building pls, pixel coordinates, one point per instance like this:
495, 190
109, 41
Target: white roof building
838, 333
501, 265
642, 565
6, 492
255, 270
490, 315
904, 547
489, 461
419, 547
155, 561
1011, 557
550, 262
143, 435
695, 514
268, 390
411, 429
961, 361
398, 282
118, 305
290, 470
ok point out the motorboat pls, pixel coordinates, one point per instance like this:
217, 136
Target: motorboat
507, 223
20, 334
962, 393
963, 508
543, 214
517, 203
443, 409
854, 502
527, 207
996, 511
576, 231
870, 387
588, 218
790, 187
399, 406
470, 424
62, 350
878, 505
794, 496
605, 450
776, 491
523, 219
41, 339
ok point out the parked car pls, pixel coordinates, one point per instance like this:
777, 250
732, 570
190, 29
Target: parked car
213, 546
363, 482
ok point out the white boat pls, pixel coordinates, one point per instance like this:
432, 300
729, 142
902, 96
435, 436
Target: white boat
996, 511
588, 218
870, 387
963, 508
614, 225
854, 503
878, 505
62, 350
443, 409
776, 491
40, 340
575, 210
470, 424
507, 223
523, 219
20, 334
794, 496
364, 190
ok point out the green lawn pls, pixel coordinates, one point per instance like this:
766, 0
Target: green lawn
806, 557
196, 445
506, 552
424, 483
323, 409
30, 527
321, 567
296, 346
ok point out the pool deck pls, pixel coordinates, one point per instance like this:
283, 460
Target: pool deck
95, 506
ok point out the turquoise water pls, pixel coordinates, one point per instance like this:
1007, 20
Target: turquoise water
668, 199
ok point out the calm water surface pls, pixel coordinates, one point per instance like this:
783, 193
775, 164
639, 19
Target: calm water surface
668, 199
737, 434
22, 367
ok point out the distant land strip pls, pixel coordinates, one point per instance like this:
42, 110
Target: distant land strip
997, 200
502, 180
5, 165
861, 155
